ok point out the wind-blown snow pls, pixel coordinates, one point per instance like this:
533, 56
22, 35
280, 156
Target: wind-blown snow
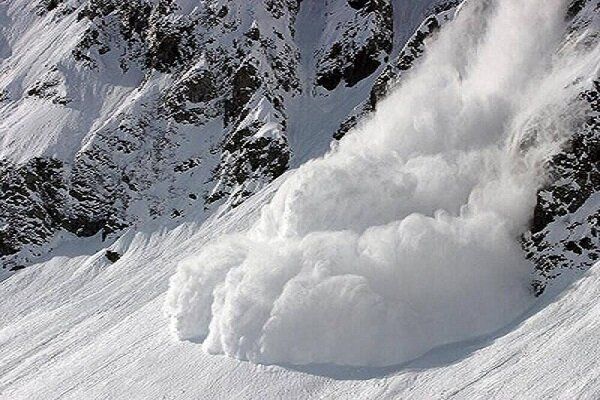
405, 236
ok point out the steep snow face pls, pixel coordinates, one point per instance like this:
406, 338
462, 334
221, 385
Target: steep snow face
406, 235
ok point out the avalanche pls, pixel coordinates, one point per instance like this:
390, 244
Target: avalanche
405, 236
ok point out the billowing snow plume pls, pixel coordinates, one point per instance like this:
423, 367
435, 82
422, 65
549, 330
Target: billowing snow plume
405, 236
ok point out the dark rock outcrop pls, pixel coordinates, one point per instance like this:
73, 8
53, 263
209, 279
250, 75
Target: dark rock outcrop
565, 231
364, 41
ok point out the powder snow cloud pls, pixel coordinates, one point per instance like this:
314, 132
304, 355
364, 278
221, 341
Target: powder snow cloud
406, 235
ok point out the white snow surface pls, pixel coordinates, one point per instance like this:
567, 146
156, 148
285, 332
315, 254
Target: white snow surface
334, 242
78, 327
405, 236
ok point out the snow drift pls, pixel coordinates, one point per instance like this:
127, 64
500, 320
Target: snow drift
406, 235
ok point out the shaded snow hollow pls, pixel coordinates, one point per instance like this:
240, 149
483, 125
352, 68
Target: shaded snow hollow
405, 236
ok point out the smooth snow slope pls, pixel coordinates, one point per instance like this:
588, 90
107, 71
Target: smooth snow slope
404, 237
78, 327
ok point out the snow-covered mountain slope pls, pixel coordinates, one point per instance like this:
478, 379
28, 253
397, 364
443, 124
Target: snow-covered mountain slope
137, 135
150, 109
80, 327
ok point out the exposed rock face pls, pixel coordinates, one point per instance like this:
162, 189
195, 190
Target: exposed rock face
565, 231
413, 49
254, 154
112, 256
142, 31
215, 133
575, 8
29, 203
566, 225
44, 196
50, 87
362, 39
392, 73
